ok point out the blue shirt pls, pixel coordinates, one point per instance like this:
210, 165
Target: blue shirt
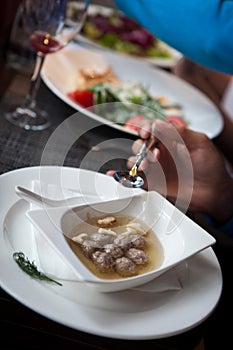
202, 29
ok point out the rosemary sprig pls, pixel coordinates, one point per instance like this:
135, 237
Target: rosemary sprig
31, 269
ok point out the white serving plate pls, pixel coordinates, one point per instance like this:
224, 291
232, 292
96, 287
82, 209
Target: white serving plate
60, 75
123, 315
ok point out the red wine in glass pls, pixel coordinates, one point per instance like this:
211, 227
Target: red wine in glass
50, 25
45, 43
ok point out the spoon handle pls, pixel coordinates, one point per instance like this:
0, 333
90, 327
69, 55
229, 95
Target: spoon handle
37, 199
146, 146
30, 196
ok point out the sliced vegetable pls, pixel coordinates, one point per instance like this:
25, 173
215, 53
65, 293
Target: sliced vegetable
83, 97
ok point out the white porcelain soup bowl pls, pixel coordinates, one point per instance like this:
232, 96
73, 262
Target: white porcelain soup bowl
178, 235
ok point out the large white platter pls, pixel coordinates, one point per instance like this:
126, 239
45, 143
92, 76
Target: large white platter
147, 316
60, 74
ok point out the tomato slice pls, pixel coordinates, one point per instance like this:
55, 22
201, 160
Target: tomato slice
83, 97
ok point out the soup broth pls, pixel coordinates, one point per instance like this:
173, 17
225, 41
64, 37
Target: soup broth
117, 227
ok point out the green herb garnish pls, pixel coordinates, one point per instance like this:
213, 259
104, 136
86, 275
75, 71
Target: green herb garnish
30, 268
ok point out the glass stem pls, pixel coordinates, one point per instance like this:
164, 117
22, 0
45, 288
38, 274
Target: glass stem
35, 82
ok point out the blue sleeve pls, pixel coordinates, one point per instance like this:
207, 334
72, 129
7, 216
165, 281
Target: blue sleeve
201, 30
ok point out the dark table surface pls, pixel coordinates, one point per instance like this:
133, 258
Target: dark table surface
19, 325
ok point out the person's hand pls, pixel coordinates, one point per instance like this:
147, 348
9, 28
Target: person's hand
186, 167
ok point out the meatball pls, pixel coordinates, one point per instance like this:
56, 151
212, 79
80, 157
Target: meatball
89, 246
103, 261
123, 241
126, 242
138, 256
113, 250
102, 238
137, 241
125, 267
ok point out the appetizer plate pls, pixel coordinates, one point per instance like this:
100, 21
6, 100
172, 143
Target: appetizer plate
128, 314
165, 62
60, 74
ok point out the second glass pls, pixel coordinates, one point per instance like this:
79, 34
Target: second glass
50, 25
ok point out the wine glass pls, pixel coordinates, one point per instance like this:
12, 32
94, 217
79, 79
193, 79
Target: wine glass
50, 25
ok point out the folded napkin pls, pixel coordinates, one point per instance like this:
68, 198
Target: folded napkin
50, 262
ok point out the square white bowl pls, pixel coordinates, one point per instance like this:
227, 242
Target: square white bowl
179, 236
